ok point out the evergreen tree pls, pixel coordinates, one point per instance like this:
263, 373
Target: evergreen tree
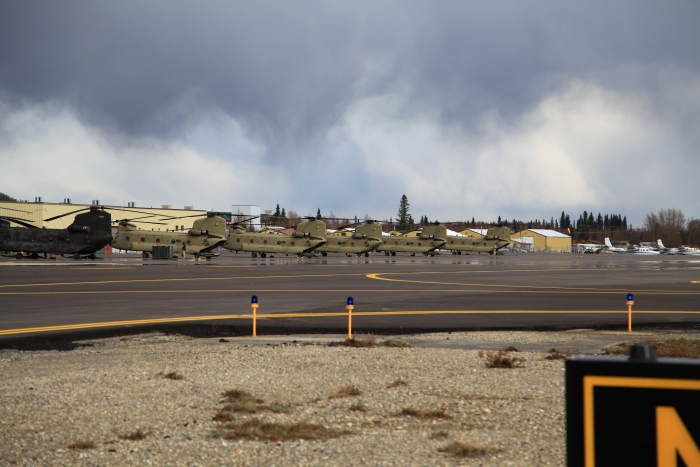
277, 211
403, 216
284, 215
473, 223
568, 221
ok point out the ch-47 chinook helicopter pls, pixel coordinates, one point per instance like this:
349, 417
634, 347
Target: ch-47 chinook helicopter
364, 239
427, 241
206, 234
495, 239
89, 232
306, 238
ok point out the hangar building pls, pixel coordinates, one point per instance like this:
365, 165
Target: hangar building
543, 240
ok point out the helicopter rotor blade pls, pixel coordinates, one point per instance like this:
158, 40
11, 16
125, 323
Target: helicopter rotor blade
66, 214
245, 220
20, 222
166, 218
17, 210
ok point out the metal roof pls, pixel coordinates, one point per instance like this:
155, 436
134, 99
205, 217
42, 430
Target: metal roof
548, 233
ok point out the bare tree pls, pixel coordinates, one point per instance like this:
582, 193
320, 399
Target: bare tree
693, 232
668, 225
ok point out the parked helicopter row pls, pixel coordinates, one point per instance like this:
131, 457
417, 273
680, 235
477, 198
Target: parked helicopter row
91, 231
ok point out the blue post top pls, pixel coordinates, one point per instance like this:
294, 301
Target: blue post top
254, 300
630, 297
350, 301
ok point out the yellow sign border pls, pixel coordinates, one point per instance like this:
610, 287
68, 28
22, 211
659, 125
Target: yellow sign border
591, 381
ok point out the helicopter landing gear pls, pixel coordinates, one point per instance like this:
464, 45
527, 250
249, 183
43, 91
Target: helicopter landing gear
254, 255
393, 253
366, 254
263, 255
144, 254
459, 252
323, 253
454, 252
34, 256
77, 256
92, 256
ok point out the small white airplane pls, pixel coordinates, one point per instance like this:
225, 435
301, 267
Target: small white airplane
642, 250
667, 251
689, 251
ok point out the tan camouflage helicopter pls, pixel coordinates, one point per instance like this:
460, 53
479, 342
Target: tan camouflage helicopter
306, 238
364, 239
495, 239
206, 234
426, 241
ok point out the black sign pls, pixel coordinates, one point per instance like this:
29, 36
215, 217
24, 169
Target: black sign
623, 412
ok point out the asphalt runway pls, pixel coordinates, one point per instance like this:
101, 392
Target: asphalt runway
392, 294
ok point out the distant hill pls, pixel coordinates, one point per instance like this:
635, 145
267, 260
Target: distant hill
4, 197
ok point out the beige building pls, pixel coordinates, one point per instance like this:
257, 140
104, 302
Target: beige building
478, 233
36, 212
542, 240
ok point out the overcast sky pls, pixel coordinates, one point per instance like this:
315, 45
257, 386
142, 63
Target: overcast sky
519, 109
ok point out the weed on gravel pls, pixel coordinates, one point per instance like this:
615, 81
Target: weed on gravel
358, 407
83, 444
370, 342
441, 434
501, 359
172, 375
397, 383
430, 414
259, 430
137, 435
242, 402
671, 348
464, 449
555, 354
346, 390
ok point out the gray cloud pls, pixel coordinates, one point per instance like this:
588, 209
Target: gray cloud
297, 78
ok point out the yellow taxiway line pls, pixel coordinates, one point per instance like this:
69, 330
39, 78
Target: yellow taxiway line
351, 290
68, 327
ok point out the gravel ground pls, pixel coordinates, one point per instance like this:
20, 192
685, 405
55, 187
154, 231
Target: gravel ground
116, 387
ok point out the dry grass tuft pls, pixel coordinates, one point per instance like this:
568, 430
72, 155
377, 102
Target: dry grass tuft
241, 402
172, 375
555, 354
137, 435
370, 342
430, 414
671, 348
510, 348
256, 429
441, 434
501, 359
393, 343
397, 383
463, 449
346, 390
83, 444
358, 407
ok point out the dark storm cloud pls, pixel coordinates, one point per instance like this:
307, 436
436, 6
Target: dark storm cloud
289, 70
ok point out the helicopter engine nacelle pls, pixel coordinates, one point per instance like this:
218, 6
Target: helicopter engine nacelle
197, 232
78, 228
359, 236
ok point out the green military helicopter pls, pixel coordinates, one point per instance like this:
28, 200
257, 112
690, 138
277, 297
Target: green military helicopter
426, 241
364, 239
307, 237
89, 232
495, 239
206, 234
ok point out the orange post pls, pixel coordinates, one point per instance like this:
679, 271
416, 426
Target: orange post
629, 315
349, 308
254, 306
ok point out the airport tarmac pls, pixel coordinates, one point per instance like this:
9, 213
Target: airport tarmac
393, 295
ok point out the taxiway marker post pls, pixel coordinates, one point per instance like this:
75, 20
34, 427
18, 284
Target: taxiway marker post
630, 302
350, 307
254, 306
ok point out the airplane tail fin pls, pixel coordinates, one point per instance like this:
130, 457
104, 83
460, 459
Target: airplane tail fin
607, 242
660, 244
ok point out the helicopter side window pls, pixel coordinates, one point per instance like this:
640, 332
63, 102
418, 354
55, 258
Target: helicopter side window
127, 239
238, 240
